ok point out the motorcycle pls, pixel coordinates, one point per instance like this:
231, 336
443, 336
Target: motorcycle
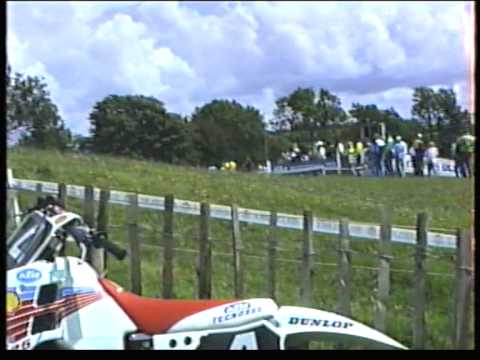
60, 302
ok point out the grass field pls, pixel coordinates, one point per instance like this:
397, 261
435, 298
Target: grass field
448, 201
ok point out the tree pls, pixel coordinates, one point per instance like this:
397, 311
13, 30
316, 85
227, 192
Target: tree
137, 126
439, 112
31, 115
226, 131
369, 117
307, 112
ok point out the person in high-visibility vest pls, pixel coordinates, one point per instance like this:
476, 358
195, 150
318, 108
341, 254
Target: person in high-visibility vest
359, 151
352, 156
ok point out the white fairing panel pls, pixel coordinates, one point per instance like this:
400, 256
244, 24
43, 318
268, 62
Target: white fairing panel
323, 324
85, 316
228, 315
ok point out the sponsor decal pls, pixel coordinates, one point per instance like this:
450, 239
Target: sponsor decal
13, 302
29, 275
319, 322
60, 219
236, 311
19, 321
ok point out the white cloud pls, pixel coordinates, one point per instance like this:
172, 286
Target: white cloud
187, 53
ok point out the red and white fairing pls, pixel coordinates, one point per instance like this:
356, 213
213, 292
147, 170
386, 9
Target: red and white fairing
65, 300
82, 314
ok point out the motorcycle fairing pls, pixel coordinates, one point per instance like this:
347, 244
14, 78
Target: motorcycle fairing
68, 313
299, 323
291, 326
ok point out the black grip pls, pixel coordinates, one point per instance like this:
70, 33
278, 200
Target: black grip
114, 249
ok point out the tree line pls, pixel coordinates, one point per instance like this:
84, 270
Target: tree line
139, 126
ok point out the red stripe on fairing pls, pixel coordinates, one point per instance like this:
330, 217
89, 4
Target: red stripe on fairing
12, 323
19, 334
77, 306
65, 308
67, 312
32, 310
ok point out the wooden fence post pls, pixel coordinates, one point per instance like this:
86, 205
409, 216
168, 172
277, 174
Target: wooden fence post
168, 249
205, 255
99, 257
419, 282
134, 244
13, 206
89, 216
237, 252
464, 290
62, 199
344, 270
272, 254
385, 257
38, 190
62, 194
89, 206
307, 260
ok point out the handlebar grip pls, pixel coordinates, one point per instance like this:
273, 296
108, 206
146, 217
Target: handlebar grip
114, 249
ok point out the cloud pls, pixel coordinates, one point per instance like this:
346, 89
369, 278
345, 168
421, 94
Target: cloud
188, 53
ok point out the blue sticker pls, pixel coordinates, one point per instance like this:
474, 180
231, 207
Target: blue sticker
29, 275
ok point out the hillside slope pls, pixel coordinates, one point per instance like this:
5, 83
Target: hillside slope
449, 201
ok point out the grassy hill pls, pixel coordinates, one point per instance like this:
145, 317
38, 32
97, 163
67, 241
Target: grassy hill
448, 201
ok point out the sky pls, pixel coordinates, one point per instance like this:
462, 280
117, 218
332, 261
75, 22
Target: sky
188, 53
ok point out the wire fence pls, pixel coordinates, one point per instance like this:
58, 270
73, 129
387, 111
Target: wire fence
275, 248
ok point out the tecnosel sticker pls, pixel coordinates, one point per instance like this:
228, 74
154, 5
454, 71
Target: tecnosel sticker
235, 311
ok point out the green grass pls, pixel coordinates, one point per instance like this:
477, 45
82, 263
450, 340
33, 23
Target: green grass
448, 201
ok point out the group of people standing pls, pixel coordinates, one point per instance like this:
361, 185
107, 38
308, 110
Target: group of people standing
386, 156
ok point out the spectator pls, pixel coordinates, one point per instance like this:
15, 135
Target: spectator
304, 157
352, 157
465, 147
341, 153
411, 152
419, 147
400, 150
431, 155
359, 151
378, 149
331, 150
457, 161
388, 156
369, 156
322, 152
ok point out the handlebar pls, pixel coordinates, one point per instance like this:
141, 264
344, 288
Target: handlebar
101, 241
85, 237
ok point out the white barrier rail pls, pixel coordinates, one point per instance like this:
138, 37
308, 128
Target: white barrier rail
321, 226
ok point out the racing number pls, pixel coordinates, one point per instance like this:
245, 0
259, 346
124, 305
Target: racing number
253, 339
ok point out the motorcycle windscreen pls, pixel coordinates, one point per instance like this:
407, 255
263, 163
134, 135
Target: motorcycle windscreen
27, 239
304, 327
